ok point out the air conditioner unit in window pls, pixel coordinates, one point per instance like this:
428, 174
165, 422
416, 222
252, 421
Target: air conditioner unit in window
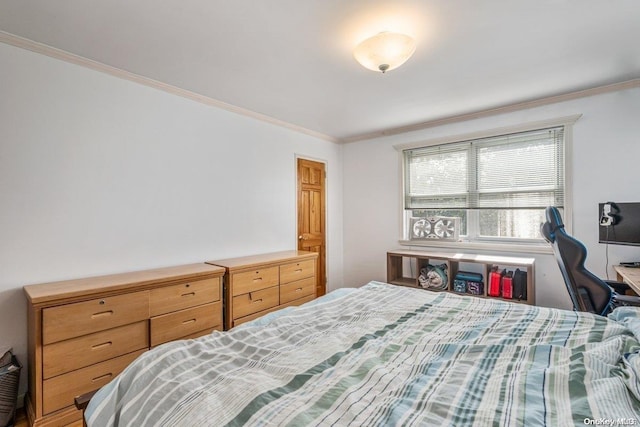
434, 228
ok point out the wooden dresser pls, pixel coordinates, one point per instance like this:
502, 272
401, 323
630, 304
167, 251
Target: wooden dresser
82, 333
256, 285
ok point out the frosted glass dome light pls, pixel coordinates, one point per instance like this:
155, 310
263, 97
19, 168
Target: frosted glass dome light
385, 51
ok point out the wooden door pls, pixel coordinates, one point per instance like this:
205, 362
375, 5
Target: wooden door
311, 215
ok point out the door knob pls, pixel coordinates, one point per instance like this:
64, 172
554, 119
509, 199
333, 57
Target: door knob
300, 238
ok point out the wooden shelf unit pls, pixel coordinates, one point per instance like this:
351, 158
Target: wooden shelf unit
399, 261
83, 332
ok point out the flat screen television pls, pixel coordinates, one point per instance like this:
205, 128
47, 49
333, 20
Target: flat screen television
626, 227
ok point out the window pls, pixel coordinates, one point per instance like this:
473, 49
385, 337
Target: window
498, 186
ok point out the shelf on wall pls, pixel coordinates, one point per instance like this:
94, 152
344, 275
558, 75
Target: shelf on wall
401, 260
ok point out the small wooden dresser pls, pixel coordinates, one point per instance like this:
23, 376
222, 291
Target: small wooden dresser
256, 285
82, 333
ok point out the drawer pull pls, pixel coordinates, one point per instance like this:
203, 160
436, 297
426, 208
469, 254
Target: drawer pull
190, 294
102, 314
298, 290
257, 300
257, 279
100, 346
102, 377
299, 270
188, 321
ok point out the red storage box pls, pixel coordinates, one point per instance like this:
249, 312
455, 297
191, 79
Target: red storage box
507, 285
495, 278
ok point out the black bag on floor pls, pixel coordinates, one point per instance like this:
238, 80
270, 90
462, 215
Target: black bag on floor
9, 379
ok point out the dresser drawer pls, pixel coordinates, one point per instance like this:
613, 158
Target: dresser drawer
253, 302
202, 333
177, 297
297, 270
298, 289
299, 301
59, 392
73, 320
65, 356
253, 316
254, 280
183, 323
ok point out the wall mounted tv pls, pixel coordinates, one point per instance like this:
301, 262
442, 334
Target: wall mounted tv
626, 224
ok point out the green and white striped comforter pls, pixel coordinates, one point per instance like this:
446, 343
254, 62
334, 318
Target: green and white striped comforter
386, 355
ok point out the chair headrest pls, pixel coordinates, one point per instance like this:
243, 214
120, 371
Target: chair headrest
553, 224
545, 230
553, 217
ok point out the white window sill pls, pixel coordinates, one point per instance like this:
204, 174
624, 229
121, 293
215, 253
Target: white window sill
529, 248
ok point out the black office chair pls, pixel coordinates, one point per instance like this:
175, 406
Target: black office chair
587, 291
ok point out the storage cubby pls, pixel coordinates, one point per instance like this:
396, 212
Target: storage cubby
403, 268
399, 273
440, 266
528, 288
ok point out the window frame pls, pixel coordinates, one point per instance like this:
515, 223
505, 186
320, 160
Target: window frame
489, 242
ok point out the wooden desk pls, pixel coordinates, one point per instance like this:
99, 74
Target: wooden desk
630, 276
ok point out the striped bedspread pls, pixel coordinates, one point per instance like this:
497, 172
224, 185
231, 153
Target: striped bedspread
386, 355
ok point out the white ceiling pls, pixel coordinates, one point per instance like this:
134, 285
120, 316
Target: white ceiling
292, 59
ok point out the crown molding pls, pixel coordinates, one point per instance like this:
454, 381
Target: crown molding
498, 110
62, 55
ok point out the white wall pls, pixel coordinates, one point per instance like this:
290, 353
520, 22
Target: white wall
606, 149
100, 175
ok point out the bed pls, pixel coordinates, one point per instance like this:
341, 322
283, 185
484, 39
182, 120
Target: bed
388, 355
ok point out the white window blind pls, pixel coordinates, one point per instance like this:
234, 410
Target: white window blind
518, 171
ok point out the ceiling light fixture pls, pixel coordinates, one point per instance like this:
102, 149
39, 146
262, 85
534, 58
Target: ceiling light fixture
384, 51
